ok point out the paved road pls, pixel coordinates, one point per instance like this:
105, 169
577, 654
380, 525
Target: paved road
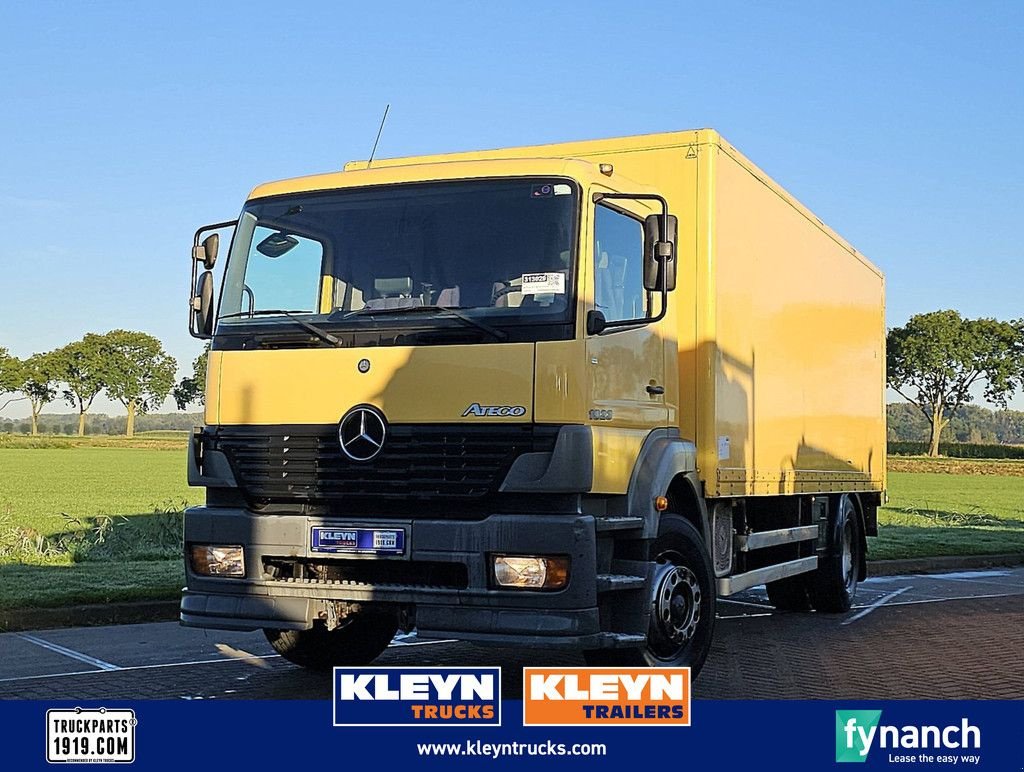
956, 635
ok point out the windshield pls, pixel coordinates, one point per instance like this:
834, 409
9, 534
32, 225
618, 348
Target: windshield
498, 251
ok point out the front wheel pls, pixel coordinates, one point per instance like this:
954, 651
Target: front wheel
682, 604
358, 640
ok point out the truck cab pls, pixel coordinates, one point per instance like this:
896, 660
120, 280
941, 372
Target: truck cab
406, 368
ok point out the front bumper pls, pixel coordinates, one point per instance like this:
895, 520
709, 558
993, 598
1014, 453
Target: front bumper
476, 612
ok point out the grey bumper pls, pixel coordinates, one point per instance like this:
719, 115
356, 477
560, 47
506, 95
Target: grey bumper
477, 612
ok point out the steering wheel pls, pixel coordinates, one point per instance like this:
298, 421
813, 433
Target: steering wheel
497, 295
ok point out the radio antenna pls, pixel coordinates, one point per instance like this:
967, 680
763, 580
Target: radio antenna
379, 130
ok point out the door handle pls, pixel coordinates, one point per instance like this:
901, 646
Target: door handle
652, 389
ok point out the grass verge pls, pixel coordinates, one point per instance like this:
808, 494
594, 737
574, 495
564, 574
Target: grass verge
54, 585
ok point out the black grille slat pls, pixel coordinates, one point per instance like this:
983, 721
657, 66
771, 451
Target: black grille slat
277, 464
379, 574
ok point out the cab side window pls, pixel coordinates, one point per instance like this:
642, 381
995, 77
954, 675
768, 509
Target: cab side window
618, 265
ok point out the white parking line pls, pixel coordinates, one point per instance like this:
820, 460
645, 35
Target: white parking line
232, 656
947, 600
67, 652
877, 604
139, 667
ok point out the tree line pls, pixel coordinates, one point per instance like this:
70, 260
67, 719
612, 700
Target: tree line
967, 424
102, 423
129, 367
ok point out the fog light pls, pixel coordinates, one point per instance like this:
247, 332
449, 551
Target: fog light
218, 560
530, 572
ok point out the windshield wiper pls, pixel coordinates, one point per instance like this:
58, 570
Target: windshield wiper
450, 311
291, 315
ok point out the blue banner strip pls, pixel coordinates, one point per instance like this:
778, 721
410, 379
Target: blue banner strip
724, 735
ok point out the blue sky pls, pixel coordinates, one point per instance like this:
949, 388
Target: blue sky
125, 126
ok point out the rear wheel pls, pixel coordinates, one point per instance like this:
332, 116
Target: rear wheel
358, 640
682, 604
833, 586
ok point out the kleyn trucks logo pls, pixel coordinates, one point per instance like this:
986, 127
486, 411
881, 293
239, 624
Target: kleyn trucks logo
580, 696
417, 696
859, 731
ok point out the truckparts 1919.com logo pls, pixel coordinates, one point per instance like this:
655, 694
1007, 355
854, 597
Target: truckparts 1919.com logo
417, 696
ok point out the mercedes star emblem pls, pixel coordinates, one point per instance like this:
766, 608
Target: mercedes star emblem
361, 433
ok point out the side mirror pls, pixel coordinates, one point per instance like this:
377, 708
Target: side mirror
202, 306
596, 323
200, 302
206, 253
659, 248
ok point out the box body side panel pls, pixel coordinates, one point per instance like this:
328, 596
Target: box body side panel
799, 347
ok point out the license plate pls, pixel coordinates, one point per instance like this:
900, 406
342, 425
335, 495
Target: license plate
374, 541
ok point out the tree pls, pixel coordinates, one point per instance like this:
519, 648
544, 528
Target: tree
937, 358
82, 367
191, 388
10, 376
139, 373
38, 384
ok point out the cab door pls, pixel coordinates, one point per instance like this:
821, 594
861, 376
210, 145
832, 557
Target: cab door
626, 365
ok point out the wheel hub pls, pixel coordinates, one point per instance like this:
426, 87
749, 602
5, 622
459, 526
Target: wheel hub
676, 604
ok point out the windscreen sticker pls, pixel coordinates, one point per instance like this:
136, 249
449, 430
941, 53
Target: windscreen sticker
543, 283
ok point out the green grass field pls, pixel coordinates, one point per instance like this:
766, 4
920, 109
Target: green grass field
931, 513
50, 486
38, 485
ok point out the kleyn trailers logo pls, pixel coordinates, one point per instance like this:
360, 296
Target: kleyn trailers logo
417, 696
859, 731
606, 696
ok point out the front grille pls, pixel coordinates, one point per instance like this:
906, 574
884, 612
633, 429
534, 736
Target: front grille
380, 574
282, 464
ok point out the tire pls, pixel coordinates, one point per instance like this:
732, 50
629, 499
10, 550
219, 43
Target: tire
682, 599
789, 594
833, 585
359, 640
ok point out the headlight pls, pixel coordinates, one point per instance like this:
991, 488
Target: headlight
530, 572
218, 560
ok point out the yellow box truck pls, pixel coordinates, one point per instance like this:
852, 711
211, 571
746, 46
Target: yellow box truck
564, 395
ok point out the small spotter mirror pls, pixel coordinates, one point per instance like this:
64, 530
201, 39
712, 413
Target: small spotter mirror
276, 244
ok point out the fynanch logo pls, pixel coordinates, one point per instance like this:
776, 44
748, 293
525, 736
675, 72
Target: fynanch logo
858, 731
494, 411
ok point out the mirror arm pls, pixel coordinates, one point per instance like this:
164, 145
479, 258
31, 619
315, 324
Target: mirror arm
662, 259
646, 319
598, 197
214, 227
